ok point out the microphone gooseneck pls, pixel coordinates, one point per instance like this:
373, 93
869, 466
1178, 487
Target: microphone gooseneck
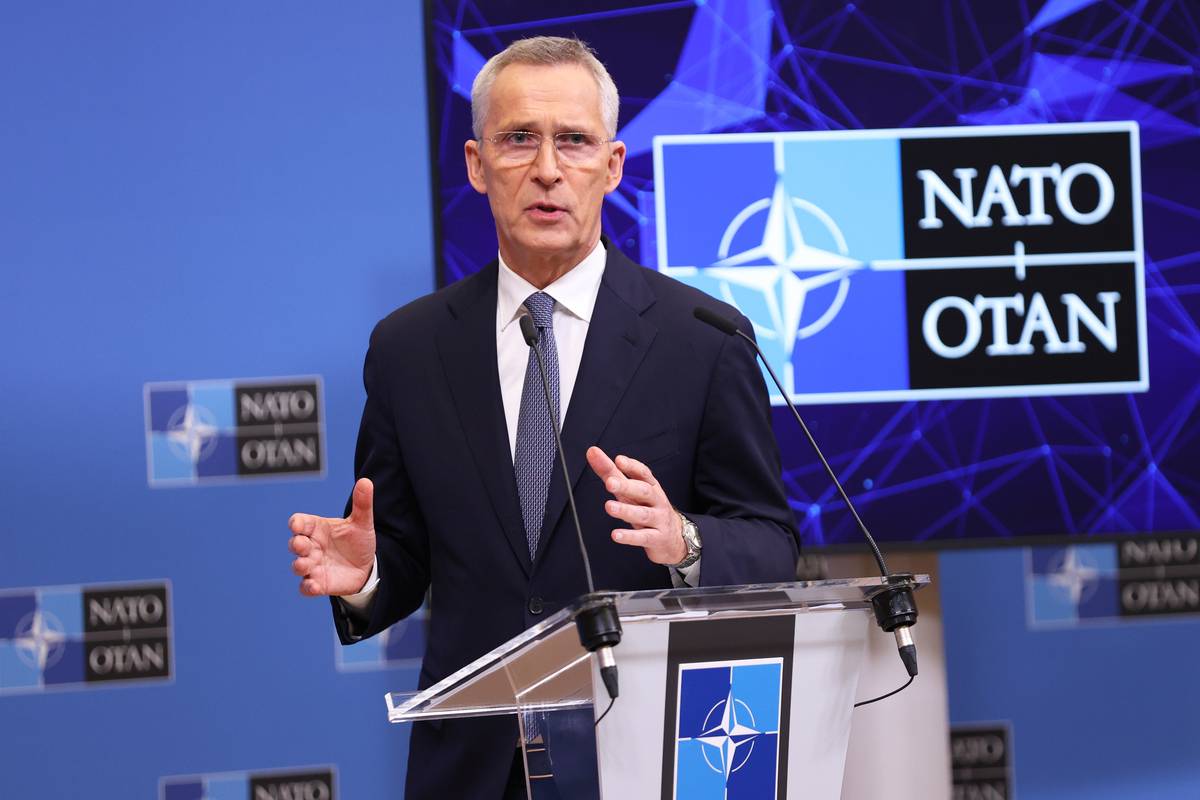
597, 622
895, 609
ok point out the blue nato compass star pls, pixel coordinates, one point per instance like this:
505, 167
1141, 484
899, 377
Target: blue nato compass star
40, 639
792, 269
727, 736
192, 432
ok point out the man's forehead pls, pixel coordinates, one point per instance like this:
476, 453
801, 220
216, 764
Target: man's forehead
524, 95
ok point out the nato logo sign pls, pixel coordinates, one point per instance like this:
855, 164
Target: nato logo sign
303, 783
919, 264
727, 730
62, 637
980, 761
400, 646
728, 703
227, 430
1104, 582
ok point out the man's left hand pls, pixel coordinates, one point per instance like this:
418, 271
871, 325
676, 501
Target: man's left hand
641, 502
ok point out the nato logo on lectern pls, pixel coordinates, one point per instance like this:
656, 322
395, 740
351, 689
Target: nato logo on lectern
226, 430
301, 783
919, 264
62, 637
727, 729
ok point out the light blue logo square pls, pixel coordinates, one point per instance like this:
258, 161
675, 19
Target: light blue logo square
66, 606
1067, 584
217, 399
226, 788
17, 671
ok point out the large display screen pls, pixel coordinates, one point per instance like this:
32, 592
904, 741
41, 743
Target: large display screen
965, 234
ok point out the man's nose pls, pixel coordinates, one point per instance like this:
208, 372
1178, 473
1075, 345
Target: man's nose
545, 163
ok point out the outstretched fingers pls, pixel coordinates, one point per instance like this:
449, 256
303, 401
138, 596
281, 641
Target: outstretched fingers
308, 551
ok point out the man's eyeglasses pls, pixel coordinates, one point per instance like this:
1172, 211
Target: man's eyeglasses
521, 147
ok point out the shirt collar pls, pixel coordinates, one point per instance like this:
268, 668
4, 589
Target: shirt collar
575, 291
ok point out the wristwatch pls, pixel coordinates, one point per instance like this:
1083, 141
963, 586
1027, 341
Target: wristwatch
691, 538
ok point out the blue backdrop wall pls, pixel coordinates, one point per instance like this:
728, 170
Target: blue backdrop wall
224, 199
192, 192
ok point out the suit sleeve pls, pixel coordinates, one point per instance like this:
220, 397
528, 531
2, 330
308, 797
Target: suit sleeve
741, 509
401, 538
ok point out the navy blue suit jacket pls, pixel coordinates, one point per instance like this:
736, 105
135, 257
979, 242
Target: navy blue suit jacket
654, 384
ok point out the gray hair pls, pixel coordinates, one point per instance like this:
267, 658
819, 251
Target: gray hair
544, 50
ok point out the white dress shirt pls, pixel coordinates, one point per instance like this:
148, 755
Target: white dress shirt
574, 299
574, 296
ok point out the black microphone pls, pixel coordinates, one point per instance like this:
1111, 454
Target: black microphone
895, 609
597, 622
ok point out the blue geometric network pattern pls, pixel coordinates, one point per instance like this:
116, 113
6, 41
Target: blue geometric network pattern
922, 472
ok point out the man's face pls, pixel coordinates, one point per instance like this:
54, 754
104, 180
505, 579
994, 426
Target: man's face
547, 211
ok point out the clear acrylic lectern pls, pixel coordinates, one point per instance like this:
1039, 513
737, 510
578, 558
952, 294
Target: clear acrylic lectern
736, 690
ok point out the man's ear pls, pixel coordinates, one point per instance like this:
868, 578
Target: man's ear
616, 166
475, 166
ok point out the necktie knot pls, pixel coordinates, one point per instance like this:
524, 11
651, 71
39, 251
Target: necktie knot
541, 308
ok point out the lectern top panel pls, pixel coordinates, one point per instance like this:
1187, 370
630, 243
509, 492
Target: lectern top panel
546, 668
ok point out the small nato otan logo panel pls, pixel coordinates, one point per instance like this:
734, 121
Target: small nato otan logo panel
981, 762
919, 264
400, 646
301, 783
1143, 577
81, 637
227, 430
727, 730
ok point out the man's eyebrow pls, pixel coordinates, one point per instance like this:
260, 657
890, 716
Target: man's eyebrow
532, 127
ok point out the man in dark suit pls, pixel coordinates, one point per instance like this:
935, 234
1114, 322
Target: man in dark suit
459, 489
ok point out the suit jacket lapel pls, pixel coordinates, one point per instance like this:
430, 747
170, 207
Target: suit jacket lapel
467, 346
617, 341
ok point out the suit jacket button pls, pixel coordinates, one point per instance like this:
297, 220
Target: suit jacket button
535, 605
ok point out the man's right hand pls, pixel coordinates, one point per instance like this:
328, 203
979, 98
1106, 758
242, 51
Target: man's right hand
334, 556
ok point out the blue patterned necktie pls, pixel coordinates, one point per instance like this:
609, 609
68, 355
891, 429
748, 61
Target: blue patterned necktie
534, 458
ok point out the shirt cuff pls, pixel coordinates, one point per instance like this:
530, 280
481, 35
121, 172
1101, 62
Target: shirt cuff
361, 600
688, 577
